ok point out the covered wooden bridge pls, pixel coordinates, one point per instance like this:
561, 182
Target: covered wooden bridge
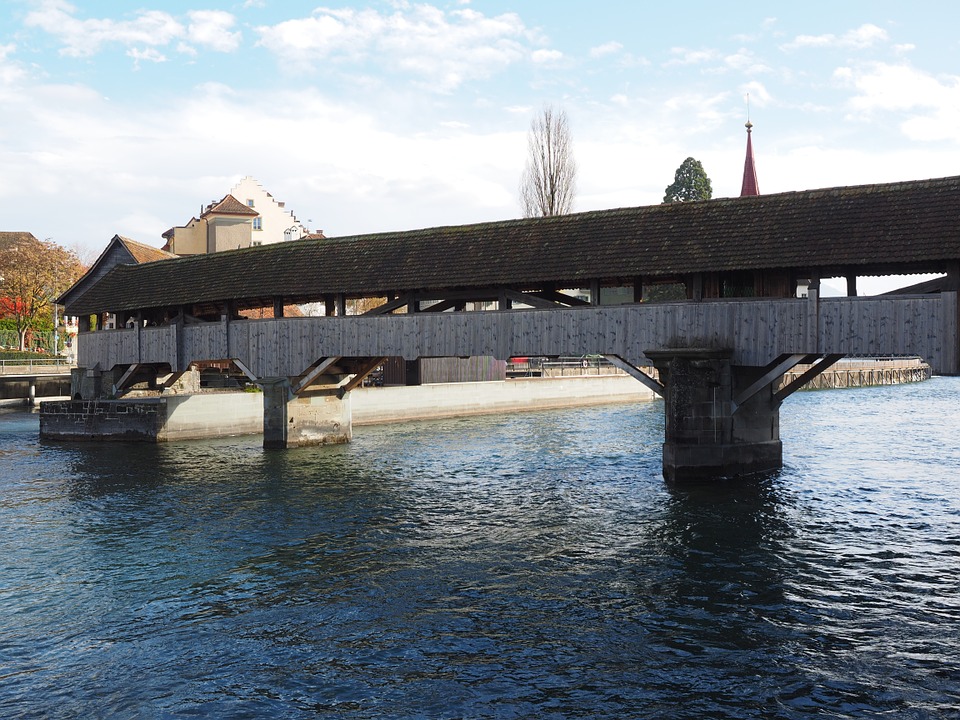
503, 289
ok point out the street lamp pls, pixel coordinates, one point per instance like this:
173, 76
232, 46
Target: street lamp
56, 336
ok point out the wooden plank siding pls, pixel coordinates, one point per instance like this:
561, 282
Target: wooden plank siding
756, 330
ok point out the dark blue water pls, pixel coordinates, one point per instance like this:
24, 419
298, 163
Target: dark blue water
528, 567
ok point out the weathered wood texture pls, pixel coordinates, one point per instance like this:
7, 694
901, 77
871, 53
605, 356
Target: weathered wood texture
756, 330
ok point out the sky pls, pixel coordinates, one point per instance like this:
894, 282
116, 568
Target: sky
126, 118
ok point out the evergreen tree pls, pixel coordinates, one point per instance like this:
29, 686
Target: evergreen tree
690, 183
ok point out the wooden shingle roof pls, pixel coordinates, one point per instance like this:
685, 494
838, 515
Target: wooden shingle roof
870, 229
144, 253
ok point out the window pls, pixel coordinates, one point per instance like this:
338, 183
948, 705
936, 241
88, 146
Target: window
249, 203
258, 223
256, 243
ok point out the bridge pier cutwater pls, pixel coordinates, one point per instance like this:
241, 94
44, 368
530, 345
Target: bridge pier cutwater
317, 416
707, 433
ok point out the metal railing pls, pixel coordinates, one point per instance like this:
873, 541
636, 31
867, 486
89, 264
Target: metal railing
39, 364
561, 367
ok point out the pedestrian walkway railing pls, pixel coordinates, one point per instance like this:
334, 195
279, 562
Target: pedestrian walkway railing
35, 365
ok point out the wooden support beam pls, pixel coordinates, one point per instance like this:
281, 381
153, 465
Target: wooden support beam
125, 378
390, 305
770, 373
694, 284
246, 371
530, 299
278, 307
851, 284
594, 292
318, 369
561, 298
637, 373
365, 370
806, 377
638, 289
442, 306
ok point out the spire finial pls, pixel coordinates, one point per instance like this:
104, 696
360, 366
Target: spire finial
750, 186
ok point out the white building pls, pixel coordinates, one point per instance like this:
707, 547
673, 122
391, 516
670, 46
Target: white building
248, 215
275, 223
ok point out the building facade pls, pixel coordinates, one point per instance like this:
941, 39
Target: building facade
274, 222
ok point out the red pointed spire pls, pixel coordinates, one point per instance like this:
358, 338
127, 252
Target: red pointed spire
750, 186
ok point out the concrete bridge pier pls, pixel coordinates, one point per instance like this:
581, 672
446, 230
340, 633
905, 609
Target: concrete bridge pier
720, 419
317, 416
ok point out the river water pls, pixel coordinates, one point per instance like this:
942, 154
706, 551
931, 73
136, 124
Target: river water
534, 566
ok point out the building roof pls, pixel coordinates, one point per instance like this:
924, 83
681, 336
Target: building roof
868, 229
229, 206
120, 250
749, 186
143, 253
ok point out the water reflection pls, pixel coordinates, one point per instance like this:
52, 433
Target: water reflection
529, 566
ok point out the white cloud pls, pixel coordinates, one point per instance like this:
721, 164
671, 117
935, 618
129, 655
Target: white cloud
83, 38
759, 95
441, 49
744, 61
856, 39
544, 57
700, 113
10, 71
212, 28
147, 29
148, 54
685, 56
608, 48
931, 104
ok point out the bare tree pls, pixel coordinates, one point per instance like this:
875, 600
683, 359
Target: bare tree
548, 183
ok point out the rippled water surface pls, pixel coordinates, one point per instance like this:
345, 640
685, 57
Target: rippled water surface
534, 566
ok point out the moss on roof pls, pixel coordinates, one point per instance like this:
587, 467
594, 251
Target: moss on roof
873, 228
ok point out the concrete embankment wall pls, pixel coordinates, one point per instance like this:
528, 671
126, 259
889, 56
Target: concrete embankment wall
15, 390
224, 414
176, 417
395, 404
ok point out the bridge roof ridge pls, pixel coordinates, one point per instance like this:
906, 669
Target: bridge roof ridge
870, 227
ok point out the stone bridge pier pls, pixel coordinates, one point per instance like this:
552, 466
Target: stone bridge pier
720, 419
319, 415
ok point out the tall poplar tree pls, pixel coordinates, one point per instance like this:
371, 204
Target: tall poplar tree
548, 183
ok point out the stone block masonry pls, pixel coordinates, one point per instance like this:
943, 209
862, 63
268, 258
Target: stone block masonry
162, 419
86, 420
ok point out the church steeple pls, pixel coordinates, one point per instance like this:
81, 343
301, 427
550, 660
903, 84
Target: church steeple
749, 186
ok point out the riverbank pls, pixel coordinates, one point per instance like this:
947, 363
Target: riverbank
374, 405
